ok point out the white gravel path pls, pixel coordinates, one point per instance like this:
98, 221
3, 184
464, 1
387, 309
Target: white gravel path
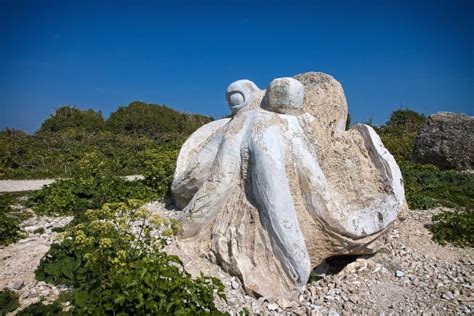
23, 185
32, 185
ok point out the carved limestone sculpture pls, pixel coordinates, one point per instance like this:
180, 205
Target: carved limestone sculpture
271, 192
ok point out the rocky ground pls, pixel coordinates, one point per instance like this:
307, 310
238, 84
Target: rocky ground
410, 275
18, 261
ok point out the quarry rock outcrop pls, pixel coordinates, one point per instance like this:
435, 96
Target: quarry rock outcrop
446, 141
273, 191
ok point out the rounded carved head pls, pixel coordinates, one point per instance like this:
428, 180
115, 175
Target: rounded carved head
284, 95
240, 93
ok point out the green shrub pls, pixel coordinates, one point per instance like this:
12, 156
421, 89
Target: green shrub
426, 186
399, 133
115, 261
62, 265
405, 121
158, 170
454, 227
9, 301
399, 145
70, 117
40, 230
154, 285
157, 121
10, 230
93, 164
72, 139
72, 197
41, 309
68, 153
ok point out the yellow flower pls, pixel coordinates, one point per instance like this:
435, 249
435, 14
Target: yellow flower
105, 243
142, 212
156, 220
121, 254
80, 236
116, 260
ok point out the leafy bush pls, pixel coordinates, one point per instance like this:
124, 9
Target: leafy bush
454, 227
399, 133
71, 138
40, 230
157, 121
16, 153
93, 164
72, 197
9, 301
41, 309
405, 120
62, 265
399, 145
67, 153
70, 117
158, 170
10, 229
115, 261
426, 186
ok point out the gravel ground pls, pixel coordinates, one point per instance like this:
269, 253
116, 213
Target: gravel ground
18, 261
32, 185
410, 275
23, 185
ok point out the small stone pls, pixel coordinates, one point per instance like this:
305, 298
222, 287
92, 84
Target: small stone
333, 312
301, 298
399, 274
18, 285
283, 303
256, 307
344, 297
315, 306
24, 295
354, 299
447, 296
32, 293
272, 306
328, 298
231, 301
234, 284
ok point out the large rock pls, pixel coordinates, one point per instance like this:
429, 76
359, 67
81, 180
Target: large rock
273, 191
447, 141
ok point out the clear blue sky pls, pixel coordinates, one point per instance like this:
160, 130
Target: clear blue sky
103, 54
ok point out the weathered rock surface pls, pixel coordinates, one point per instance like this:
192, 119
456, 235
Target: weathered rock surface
447, 141
279, 187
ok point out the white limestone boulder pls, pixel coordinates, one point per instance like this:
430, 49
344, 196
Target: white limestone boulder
279, 187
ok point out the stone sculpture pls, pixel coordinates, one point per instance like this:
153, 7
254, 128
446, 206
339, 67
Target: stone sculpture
271, 192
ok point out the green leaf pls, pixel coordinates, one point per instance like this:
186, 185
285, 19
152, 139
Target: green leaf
81, 297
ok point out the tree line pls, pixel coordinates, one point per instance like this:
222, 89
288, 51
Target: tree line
119, 144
